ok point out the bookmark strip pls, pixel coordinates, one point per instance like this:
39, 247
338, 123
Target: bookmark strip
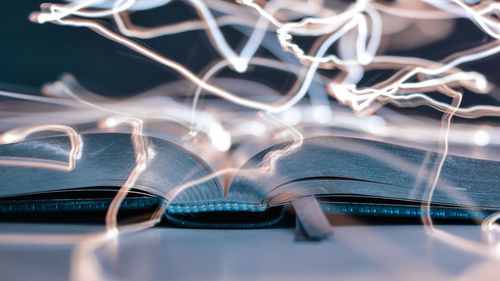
311, 218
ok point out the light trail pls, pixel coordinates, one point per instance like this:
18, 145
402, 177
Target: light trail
20, 134
358, 33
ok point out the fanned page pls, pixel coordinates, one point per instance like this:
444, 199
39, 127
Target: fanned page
358, 169
105, 160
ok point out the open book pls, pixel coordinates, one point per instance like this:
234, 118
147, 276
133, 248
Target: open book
347, 175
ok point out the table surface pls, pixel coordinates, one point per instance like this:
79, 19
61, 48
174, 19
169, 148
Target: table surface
380, 252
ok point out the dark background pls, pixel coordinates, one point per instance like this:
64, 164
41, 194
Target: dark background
32, 54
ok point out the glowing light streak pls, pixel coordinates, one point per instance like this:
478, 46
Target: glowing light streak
119, 6
359, 27
17, 135
142, 157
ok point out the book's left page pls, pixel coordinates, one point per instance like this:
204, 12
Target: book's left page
101, 160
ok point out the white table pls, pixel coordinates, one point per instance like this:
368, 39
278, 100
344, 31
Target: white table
395, 252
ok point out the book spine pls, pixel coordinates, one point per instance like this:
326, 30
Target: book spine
402, 211
72, 205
